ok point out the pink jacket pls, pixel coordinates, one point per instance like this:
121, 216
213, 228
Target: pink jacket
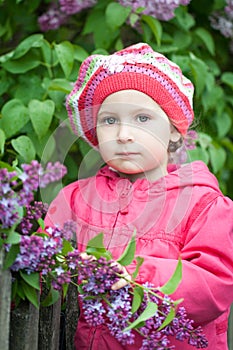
182, 214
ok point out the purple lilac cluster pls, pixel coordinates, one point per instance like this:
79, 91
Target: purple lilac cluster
223, 20
71, 7
58, 14
162, 9
102, 305
17, 189
180, 155
32, 213
37, 252
180, 327
52, 19
8, 200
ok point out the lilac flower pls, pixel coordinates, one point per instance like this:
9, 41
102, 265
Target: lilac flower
74, 6
93, 311
60, 277
119, 315
33, 212
99, 299
8, 201
29, 256
52, 173
69, 230
37, 253
222, 20
162, 10
229, 8
52, 19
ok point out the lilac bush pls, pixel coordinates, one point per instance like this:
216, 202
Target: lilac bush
58, 14
162, 9
223, 21
17, 189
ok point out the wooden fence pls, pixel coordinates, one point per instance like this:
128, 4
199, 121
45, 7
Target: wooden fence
47, 328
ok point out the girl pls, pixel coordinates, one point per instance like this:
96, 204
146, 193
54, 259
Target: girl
135, 107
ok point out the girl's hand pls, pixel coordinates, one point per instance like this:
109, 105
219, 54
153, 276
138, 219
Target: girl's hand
119, 284
122, 282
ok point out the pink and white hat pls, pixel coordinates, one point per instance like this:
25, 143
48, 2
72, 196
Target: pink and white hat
137, 67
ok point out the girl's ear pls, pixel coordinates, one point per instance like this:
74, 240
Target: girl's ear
176, 140
175, 136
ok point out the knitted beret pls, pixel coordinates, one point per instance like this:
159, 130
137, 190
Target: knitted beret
137, 67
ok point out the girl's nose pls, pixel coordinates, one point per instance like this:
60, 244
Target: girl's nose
125, 134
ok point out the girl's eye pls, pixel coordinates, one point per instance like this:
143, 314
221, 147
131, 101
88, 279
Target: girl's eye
110, 120
143, 118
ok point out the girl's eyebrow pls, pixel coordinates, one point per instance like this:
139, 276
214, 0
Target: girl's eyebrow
136, 110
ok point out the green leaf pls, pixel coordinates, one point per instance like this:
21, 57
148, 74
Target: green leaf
11, 256
30, 293
207, 39
96, 247
41, 114
79, 53
204, 139
128, 255
200, 73
116, 15
198, 154
33, 279
46, 52
227, 78
67, 247
137, 298
223, 123
23, 64
14, 117
172, 284
35, 40
168, 319
13, 238
139, 263
2, 141
155, 27
217, 157
182, 39
65, 54
184, 19
51, 298
149, 312
41, 223
60, 85
24, 146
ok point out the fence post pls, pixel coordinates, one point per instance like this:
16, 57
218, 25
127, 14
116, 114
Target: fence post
5, 303
71, 315
24, 327
49, 326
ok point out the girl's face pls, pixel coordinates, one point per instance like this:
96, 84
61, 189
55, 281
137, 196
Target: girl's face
133, 134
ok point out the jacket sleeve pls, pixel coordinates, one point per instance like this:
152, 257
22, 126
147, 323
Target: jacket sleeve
207, 260
60, 209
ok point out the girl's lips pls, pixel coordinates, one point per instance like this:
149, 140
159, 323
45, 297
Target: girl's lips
127, 154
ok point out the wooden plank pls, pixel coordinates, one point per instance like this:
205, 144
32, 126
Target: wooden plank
24, 327
49, 327
71, 315
5, 304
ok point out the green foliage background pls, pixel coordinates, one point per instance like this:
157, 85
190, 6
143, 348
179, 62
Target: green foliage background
38, 69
